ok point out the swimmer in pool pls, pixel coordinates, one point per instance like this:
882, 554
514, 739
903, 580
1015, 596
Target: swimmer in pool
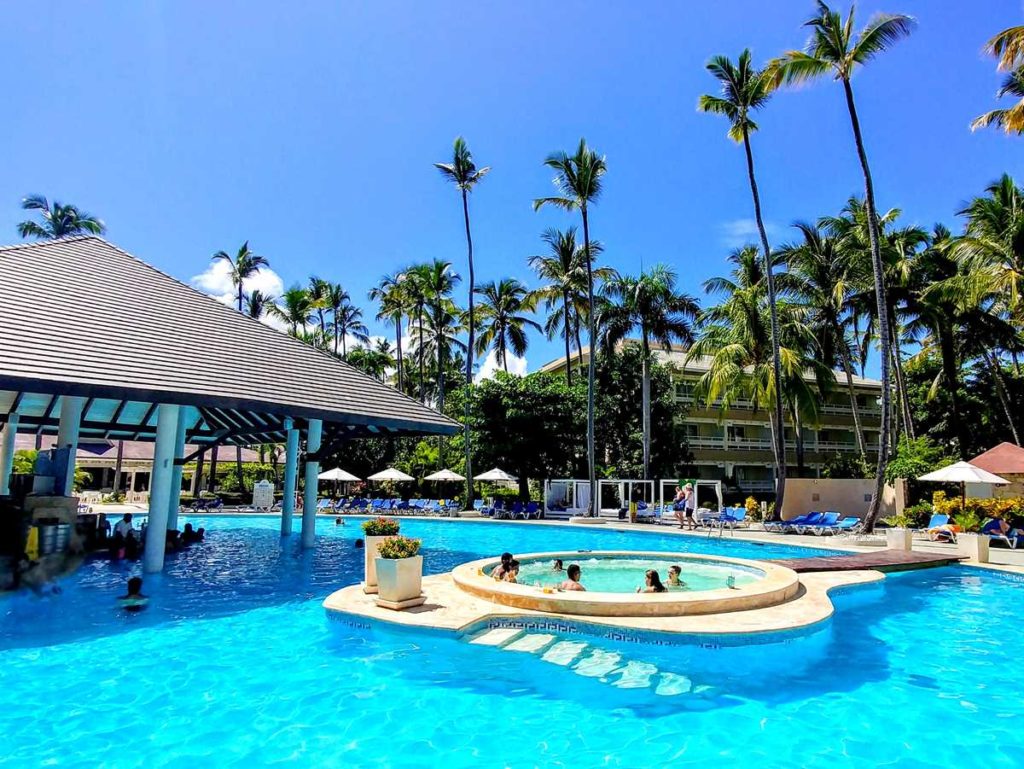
512, 573
674, 573
134, 600
573, 582
653, 583
557, 566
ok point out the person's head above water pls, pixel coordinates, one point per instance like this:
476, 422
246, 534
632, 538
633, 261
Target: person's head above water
573, 572
675, 570
557, 565
127, 518
654, 581
506, 559
188, 528
135, 586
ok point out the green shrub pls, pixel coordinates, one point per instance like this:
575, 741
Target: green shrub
969, 520
380, 527
395, 548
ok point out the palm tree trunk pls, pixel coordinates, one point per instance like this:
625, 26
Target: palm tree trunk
440, 399
901, 387
211, 482
117, 467
579, 344
344, 346
568, 332
878, 271
419, 351
798, 432
238, 468
848, 370
197, 477
591, 367
1004, 399
469, 358
947, 355
398, 348
645, 398
778, 437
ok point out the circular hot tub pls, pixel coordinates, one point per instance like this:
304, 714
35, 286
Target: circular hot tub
711, 584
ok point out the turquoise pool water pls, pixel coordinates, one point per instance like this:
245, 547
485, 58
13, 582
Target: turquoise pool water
234, 664
625, 575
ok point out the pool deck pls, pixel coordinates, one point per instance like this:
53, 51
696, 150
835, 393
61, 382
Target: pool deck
449, 608
879, 560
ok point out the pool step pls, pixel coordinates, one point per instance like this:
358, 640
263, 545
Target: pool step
498, 636
585, 659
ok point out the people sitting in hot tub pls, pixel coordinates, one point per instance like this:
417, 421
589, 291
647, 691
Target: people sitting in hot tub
512, 572
501, 569
573, 581
557, 566
674, 574
653, 583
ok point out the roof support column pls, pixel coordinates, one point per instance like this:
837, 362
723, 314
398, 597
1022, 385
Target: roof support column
7, 454
160, 487
291, 467
309, 493
71, 407
184, 412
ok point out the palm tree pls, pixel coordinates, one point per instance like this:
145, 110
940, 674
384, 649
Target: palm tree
820, 273
257, 304
318, 291
834, 50
578, 179
1008, 48
651, 304
374, 362
414, 282
439, 338
502, 324
334, 298
463, 173
348, 321
393, 298
58, 220
295, 309
243, 265
438, 283
744, 90
735, 335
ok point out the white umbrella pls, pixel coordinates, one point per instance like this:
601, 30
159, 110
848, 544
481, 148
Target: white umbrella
337, 474
444, 475
495, 475
963, 473
391, 474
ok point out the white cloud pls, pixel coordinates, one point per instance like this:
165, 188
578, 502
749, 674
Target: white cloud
516, 366
741, 232
215, 280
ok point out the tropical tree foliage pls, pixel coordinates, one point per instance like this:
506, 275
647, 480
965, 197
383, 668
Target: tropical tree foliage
57, 220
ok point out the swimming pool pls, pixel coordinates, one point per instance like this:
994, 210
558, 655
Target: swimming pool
235, 664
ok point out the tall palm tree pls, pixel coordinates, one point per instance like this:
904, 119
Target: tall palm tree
464, 174
578, 179
438, 283
319, 291
257, 304
503, 325
1008, 48
295, 309
651, 304
835, 50
744, 90
334, 298
348, 321
820, 273
242, 266
58, 220
414, 281
439, 339
392, 297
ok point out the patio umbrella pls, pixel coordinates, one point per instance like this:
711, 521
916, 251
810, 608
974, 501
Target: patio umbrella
337, 474
496, 475
444, 475
963, 473
390, 474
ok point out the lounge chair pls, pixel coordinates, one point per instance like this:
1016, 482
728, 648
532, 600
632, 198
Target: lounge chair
826, 521
795, 524
1012, 539
939, 530
848, 525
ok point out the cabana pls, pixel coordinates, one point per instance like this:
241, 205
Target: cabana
615, 494
703, 490
99, 345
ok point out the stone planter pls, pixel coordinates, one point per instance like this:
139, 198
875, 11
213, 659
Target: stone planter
899, 539
400, 582
370, 556
974, 546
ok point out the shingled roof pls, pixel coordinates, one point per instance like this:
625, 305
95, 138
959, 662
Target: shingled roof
1004, 459
79, 316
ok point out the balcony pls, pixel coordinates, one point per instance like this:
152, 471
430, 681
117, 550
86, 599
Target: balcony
705, 442
750, 444
752, 485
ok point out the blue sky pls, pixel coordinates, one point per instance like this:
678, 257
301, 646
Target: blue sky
310, 128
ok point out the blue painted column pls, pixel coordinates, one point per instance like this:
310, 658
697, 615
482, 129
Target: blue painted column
7, 454
160, 487
291, 470
71, 407
184, 414
309, 493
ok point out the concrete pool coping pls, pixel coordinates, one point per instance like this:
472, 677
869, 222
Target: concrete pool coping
449, 608
774, 585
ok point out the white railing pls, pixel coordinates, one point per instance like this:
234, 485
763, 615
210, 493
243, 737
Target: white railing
749, 444
755, 485
832, 446
705, 442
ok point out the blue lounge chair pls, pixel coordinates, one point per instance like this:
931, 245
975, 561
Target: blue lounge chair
794, 524
324, 504
991, 529
779, 526
849, 525
826, 521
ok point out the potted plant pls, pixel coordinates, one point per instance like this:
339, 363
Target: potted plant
376, 531
400, 573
